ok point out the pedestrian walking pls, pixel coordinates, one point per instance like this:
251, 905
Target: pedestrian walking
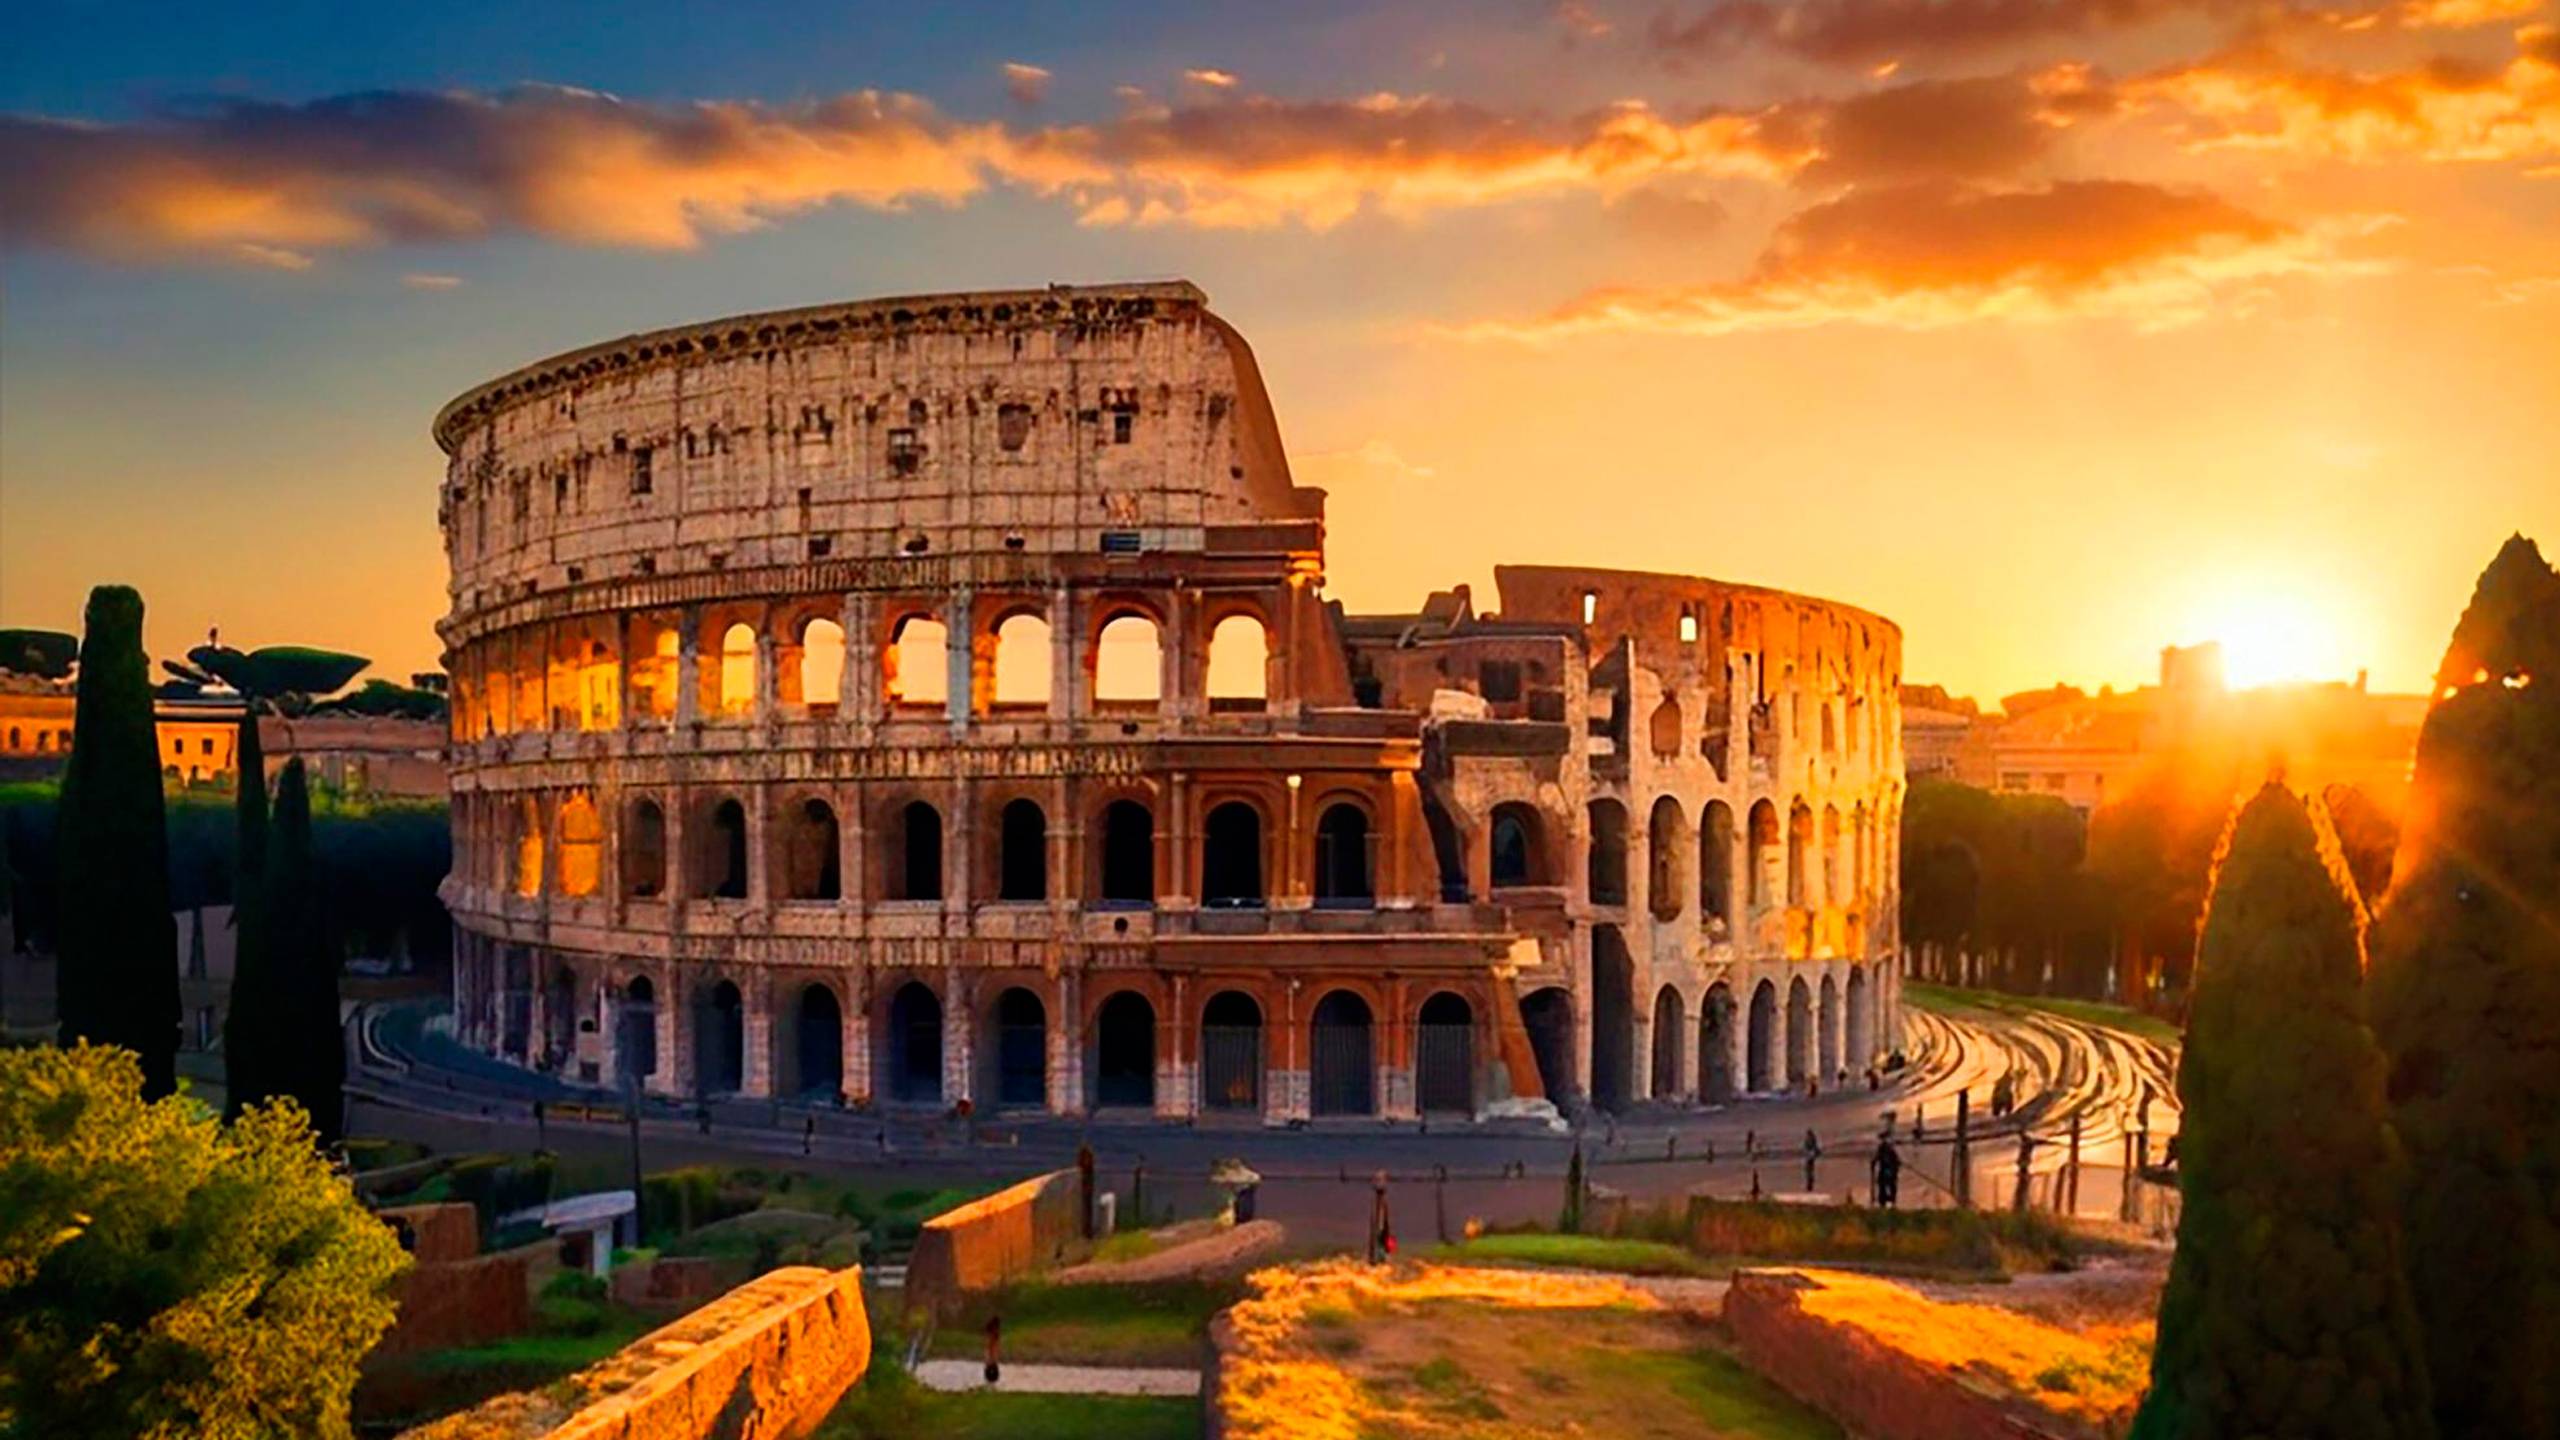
1888, 1174
995, 1342
1812, 1153
1382, 1232
808, 1133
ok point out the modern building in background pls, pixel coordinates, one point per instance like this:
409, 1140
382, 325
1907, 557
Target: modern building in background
926, 700
199, 737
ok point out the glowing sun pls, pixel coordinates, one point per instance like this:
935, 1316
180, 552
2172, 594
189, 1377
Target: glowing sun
2271, 634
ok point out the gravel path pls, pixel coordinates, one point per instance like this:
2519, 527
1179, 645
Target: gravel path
1060, 1379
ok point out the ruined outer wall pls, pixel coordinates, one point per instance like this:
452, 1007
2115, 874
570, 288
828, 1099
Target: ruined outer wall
768, 1360
1870, 1388
993, 1239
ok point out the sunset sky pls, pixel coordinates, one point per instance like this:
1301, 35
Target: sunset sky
2056, 330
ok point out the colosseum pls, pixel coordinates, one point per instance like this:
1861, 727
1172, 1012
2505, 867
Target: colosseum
928, 700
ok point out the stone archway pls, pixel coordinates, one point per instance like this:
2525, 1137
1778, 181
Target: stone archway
915, 1045
1231, 1052
1124, 1052
1715, 1045
1342, 1073
1761, 1064
1547, 1015
1444, 1066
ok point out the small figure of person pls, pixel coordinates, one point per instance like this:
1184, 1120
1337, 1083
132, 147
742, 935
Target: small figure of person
808, 1134
1812, 1153
1888, 1174
995, 1340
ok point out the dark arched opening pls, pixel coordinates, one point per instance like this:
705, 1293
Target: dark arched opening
644, 852
1518, 849
720, 1042
1799, 1031
728, 851
1761, 1061
1613, 1021
635, 1051
1548, 1017
819, 1046
560, 1018
1715, 862
1444, 1063
1669, 1032
1231, 1052
1022, 867
915, 1045
1828, 1031
1342, 859
1231, 857
1341, 1077
1128, 854
815, 859
1021, 1049
1715, 1045
1124, 1052
1608, 867
915, 871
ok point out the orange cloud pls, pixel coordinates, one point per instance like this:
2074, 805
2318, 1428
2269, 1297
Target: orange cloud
569, 164
1867, 32
1941, 253
2446, 109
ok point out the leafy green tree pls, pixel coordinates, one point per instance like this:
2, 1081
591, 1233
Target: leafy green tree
46, 654
117, 981
165, 1276
287, 679
382, 697
2286, 1311
2466, 997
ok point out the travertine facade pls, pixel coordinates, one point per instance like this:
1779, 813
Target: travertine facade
932, 699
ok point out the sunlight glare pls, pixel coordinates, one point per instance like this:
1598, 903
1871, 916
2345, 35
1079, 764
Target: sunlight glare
2272, 634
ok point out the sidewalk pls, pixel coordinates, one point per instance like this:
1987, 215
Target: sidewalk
1059, 1379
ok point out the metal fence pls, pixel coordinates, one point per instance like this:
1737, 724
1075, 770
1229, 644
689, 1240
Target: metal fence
1231, 1067
1342, 1081
1445, 1068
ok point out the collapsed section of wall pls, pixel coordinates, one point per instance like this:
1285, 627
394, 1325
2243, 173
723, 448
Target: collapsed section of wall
768, 1360
991, 1240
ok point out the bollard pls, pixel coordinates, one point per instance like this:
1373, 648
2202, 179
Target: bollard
2071, 1168
1963, 1162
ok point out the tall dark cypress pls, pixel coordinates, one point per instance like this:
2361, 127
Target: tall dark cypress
312, 1056
252, 1038
2286, 1312
117, 941
2467, 1005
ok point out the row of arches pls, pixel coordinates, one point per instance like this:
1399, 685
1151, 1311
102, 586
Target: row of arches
575, 677
1787, 1032
807, 851
1814, 860
1122, 1048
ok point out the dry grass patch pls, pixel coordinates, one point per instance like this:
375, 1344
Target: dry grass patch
1341, 1351
2093, 1371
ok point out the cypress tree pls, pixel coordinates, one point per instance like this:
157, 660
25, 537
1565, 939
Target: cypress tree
2286, 1311
117, 941
252, 1038
311, 1060
2467, 1007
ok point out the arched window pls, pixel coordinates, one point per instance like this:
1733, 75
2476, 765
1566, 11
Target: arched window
1519, 846
1128, 662
1022, 863
915, 855
1128, 854
1799, 842
1715, 862
1231, 857
737, 671
656, 652
1666, 854
1239, 656
635, 1049
919, 663
581, 845
1763, 872
599, 689
644, 852
813, 857
1022, 661
1124, 1070
1666, 728
1608, 868
528, 838
1021, 1050
1342, 858
822, 665
724, 853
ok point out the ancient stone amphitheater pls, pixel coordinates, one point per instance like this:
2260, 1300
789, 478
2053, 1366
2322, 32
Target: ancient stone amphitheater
928, 699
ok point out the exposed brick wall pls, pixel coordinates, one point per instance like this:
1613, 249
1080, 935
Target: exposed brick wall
440, 1233
461, 1302
766, 1361
1869, 1387
989, 1241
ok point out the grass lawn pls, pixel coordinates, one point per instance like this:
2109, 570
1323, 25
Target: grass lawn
411, 1389
890, 1405
1581, 1252
1152, 1324
1944, 998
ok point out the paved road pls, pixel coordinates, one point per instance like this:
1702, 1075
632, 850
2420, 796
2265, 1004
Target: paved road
1317, 1179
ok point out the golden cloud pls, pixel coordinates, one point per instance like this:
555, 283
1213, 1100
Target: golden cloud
1868, 33
1938, 253
2258, 98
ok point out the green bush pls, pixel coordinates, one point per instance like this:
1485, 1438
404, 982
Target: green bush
572, 1303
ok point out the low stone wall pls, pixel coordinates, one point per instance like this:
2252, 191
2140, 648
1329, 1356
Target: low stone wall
460, 1302
437, 1233
1871, 1388
666, 1285
766, 1361
989, 1241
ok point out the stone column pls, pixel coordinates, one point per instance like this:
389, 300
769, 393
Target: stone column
1177, 891
1396, 1036
1174, 703
1066, 648
1177, 1091
759, 819
1284, 1092
689, 667
959, 1068
1066, 1047
768, 684
857, 1037
859, 698
1286, 878
756, 1033
674, 1075
960, 654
